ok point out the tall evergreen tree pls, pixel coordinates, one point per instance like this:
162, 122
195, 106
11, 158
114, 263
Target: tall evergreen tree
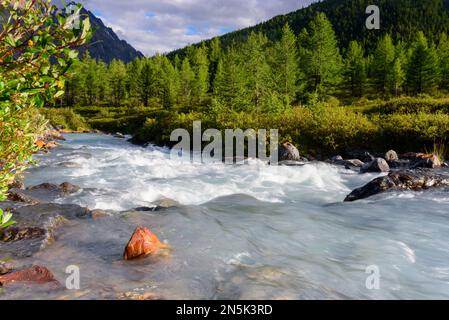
117, 76
230, 81
285, 65
187, 82
321, 57
355, 69
383, 60
443, 58
144, 81
200, 67
422, 73
257, 71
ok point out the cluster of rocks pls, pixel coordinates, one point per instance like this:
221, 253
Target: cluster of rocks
365, 162
410, 171
39, 221
48, 140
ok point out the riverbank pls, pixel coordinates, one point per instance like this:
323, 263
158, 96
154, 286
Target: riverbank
404, 124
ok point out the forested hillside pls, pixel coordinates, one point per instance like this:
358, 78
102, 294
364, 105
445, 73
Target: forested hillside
399, 18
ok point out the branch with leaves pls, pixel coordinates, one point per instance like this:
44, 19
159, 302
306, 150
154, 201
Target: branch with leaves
37, 45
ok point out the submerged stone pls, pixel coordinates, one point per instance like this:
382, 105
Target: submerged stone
35, 274
143, 242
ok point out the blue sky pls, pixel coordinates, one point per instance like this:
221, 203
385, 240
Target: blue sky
153, 26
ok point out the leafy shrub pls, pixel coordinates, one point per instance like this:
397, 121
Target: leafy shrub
65, 117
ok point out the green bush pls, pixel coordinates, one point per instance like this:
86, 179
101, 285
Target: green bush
406, 105
65, 117
413, 132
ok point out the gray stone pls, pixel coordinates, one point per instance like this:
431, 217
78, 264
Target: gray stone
400, 180
377, 165
391, 156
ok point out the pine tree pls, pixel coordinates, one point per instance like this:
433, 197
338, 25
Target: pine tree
397, 77
200, 67
229, 84
383, 61
132, 79
257, 71
117, 79
321, 57
285, 66
90, 80
422, 73
144, 81
187, 80
170, 84
443, 58
355, 69
215, 54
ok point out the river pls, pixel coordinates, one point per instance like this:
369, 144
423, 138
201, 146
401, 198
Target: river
240, 232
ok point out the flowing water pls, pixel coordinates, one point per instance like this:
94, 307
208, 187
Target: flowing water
241, 232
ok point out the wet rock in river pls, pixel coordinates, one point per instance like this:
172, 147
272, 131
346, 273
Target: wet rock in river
143, 242
15, 234
391, 156
288, 152
362, 155
44, 193
400, 180
35, 274
68, 188
64, 187
6, 267
16, 184
37, 227
20, 196
99, 214
377, 165
425, 161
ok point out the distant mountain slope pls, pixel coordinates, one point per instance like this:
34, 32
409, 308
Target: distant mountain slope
398, 17
106, 45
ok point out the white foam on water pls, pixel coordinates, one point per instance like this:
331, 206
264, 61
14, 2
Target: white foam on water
143, 175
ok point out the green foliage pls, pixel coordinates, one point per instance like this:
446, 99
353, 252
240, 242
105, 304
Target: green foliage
5, 219
66, 118
355, 69
382, 67
422, 75
31, 36
320, 59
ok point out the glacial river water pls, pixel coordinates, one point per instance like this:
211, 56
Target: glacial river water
241, 232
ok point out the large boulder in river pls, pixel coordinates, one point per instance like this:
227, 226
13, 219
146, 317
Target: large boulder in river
143, 242
400, 180
288, 152
377, 165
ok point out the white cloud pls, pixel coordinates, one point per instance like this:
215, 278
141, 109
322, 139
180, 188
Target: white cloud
163, 25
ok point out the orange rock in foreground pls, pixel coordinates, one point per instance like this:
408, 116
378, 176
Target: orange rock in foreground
142, 243
41, 144
34, 274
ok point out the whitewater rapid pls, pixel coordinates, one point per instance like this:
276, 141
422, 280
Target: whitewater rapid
241, 231
120, 176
